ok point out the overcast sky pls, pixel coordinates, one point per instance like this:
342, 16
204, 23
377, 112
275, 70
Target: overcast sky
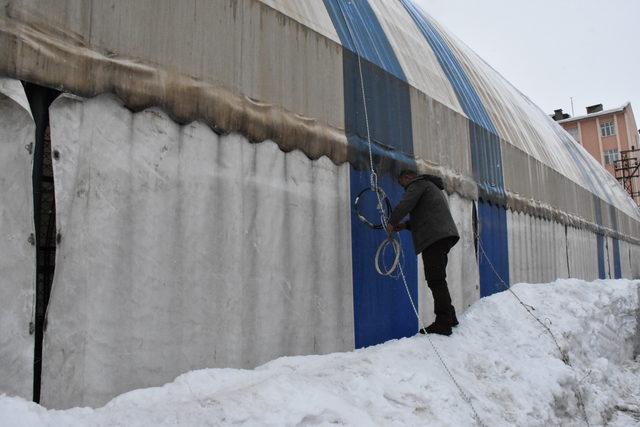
552, 50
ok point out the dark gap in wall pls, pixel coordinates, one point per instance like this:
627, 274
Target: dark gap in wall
44, 212
606, 251
474, 223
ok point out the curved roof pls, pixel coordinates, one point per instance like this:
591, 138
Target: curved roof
436, 63
286, 71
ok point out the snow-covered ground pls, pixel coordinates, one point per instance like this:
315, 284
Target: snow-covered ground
502, 358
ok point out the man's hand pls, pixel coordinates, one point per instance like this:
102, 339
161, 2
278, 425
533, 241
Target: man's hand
391, 228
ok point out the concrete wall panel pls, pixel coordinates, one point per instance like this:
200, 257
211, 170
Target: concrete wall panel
245, 46
17, 254
437, 132
182, 249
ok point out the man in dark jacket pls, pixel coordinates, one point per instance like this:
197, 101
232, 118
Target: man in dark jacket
434, 233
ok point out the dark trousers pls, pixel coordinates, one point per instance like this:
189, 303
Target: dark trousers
435, 270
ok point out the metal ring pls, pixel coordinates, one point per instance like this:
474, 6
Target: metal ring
362, 218
396, 260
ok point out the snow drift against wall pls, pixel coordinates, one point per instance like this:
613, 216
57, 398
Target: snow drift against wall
17, 254
500, 356
182, 249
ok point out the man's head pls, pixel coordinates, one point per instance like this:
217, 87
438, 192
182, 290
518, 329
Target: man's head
406, 176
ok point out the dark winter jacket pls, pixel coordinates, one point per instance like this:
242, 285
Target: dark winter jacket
429, 215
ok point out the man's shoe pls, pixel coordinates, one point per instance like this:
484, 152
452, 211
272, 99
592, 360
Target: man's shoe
454, 320
437, 328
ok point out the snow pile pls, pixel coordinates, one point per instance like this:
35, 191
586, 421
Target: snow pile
502, 358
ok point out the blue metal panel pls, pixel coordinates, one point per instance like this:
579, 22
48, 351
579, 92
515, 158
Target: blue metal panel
493, 240
600, 249
617, 267
389, 112
599, 239
382, 310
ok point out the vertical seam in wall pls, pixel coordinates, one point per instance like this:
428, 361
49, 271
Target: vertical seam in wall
606, 248
566, 240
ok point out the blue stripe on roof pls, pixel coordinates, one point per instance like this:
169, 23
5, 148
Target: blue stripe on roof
493, 265
466, 93
486, 153
369, 40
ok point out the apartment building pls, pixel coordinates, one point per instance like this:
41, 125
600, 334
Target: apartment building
604, 133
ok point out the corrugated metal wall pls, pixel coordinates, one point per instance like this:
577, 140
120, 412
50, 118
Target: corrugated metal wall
583, 254
17, 254
537, 249
629, 256
181, 249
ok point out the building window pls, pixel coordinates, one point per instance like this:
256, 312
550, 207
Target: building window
575, 133
607, 128
611, 156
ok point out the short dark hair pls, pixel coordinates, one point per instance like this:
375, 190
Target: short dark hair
407, 172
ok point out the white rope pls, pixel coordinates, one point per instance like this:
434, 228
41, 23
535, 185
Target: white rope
374, 186
383, 270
